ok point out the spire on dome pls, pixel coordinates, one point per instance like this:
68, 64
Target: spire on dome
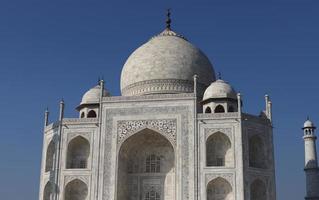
168, 19
168, 31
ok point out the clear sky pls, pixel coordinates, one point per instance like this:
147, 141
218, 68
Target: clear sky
55, 49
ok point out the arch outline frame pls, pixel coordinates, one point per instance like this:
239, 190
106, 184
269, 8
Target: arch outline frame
228, 177
69, 137
229, 133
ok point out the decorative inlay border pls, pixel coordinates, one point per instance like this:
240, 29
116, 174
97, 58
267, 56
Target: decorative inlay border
79, 120
217, 115
72, 135
166, 127
211, 131
227, 176
68, 179
161, 86
148, 97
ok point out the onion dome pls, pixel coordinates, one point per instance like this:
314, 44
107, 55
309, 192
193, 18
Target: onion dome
165, 64
219, 89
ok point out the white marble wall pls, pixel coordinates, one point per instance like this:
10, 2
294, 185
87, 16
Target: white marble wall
173, 117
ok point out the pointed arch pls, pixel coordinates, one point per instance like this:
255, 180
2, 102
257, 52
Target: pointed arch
146, 158
76, 190
218, 150
49, 160
91, 114
208, 110
78, 153
82, 115
257, 152
219, 109
219, 189
258, 190
48, 191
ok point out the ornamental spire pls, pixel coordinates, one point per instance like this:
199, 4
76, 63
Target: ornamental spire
168, 19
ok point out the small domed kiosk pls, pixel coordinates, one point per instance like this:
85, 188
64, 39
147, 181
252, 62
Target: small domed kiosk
89, 105
220, 97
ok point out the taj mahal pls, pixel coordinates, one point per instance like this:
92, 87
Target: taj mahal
177, 132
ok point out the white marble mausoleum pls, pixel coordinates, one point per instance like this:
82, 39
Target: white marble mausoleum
176, 133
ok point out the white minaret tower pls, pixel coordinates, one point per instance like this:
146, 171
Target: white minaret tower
311, 161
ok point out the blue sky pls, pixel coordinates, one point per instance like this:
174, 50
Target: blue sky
57, 49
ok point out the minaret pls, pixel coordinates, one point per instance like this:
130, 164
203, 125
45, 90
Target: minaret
311, 162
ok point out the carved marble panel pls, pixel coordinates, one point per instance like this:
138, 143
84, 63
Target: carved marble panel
70, 178
211, 131
72, 135
227, 176
167, 127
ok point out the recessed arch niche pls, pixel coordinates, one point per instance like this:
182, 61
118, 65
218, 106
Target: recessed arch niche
76, 190
78, 153
218, 150
48, 191
258, 190
146, 167
49, 161
257, 152
219, 189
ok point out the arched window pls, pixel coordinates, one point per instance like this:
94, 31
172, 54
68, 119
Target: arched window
153, 164
218, 151
152, 195
219, 189
219, 109
78, 153
257, 155
231, 109
76, 190
48, 191
258, 190
91, 114
208, 110
82, 115
49, 161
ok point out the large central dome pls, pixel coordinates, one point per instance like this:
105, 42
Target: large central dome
165, 64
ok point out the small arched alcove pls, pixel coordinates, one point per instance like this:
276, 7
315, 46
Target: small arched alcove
49, 160
78, 153
218, 150
76, 190
219, 189
257, 152
146, 167
208, 110
48, 191
82, 114
91, 114
219, 109
258, 190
